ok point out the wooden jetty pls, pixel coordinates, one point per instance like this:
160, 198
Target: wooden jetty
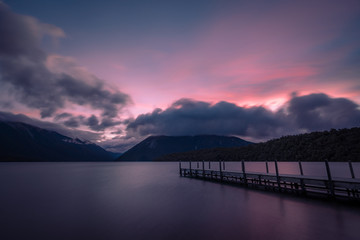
329, 187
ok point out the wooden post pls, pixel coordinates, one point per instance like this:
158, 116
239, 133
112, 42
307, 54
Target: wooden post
180, 168
209, 165
203, 168
302, 184
243, 171
190, 167
224, 165
221, 175
301, 169
331, 185
267, 167
259, 179
351, 169
277, 174
303, 190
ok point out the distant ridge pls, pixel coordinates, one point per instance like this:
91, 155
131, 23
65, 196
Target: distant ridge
334, 145
156, 146
24, 142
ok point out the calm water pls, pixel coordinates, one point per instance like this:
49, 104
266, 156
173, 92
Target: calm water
150, 201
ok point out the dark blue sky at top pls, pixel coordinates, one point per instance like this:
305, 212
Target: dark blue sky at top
112, 23
118, 22
123, 23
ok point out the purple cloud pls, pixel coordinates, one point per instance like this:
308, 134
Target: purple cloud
300, 114
33, 78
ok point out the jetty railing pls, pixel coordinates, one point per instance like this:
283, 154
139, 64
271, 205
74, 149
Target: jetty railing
324, 186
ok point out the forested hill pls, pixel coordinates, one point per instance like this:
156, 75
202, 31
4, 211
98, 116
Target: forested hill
334, 145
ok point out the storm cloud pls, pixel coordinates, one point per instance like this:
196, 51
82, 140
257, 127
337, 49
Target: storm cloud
320, 112
94, 123
300, 114
38, 80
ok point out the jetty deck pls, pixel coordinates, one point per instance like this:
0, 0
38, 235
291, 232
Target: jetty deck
329, 187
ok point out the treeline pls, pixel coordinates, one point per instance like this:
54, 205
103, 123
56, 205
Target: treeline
334, 145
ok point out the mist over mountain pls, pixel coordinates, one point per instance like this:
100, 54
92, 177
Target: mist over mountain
24, 142
156, 146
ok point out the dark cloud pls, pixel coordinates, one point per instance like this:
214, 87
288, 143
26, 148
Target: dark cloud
189, 117
19, 35
80, 92
61, 116
72, 122
69, 120
305, 113
94, 124
29, 71
319, 112
92, 121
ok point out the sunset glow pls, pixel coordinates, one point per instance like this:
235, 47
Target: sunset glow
105, 68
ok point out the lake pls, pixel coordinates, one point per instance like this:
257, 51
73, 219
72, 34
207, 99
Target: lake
151, 201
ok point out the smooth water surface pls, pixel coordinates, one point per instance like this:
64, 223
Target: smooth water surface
151, 201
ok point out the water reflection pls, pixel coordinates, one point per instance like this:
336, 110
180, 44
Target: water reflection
151, 201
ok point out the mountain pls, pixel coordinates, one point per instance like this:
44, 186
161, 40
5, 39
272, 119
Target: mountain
23, 142
156, 146
334, 145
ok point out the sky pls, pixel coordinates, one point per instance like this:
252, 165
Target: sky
115, 72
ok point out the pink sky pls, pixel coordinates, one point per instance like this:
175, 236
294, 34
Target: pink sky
121, 64
249, 58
